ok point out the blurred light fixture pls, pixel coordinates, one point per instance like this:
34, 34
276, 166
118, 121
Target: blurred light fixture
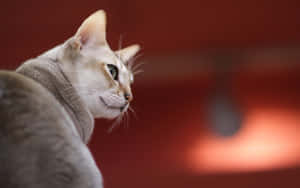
224, 115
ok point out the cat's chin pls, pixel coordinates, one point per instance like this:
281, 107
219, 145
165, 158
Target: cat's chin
108, 114
105, 112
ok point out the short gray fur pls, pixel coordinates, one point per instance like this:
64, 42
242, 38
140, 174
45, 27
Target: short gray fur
42, 137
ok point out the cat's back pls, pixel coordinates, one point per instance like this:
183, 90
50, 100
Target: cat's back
39, 146
25, 104
23, 97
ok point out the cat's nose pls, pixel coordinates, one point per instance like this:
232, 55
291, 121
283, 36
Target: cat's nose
128, 97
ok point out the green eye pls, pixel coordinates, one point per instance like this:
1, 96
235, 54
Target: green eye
113, 71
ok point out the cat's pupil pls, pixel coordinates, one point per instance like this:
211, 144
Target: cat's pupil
113, 71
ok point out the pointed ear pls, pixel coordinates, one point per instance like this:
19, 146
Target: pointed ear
128, 52
92, 31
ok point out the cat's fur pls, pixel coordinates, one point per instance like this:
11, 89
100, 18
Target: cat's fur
47, 109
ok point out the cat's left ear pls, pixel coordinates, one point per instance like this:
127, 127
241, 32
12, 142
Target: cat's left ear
92, 31
128, 52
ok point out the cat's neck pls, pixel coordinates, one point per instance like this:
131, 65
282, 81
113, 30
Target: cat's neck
48, 73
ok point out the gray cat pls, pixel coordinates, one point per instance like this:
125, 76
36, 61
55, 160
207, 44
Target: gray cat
48, 106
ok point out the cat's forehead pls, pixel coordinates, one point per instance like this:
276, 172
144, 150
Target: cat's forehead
112, 58
107, 56
103, 54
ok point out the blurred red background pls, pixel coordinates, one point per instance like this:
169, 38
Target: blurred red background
199, 55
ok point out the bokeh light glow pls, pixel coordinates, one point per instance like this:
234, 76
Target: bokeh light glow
269, 139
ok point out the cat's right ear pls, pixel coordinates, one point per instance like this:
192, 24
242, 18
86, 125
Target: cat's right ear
92, 32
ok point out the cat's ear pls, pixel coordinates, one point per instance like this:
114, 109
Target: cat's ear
92, 31
128, 52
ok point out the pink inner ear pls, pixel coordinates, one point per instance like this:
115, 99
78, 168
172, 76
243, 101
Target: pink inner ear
92, 30
91, 35
84, 36
83, 39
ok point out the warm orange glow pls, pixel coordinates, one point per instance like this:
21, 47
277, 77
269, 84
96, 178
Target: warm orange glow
269, 139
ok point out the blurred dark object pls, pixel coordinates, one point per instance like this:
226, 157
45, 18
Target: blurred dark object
223, 111
225, 116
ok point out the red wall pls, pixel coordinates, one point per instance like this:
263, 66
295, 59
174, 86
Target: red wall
30, 27
157, 148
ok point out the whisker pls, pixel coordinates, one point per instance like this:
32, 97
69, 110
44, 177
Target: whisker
133, 112
120, 42
137, 72
115, 124
130, 62
127, 119
137, 66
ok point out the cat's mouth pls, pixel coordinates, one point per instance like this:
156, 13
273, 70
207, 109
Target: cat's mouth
121, 108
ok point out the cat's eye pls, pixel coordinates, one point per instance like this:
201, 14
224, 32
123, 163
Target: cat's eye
113, 71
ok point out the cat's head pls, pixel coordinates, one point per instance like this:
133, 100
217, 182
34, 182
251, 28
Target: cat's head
102, 77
